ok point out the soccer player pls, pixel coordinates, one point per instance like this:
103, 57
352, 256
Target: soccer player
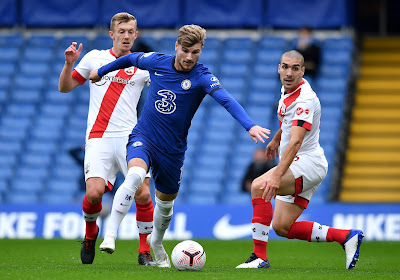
300, 171
112, 115
178, 85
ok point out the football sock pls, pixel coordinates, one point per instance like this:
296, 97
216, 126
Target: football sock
314, 232
162, 218
262, 217
144, 220
123, 198
90, 214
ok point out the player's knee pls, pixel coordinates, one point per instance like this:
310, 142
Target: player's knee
94, 195
280, 229
255, 188
142, 195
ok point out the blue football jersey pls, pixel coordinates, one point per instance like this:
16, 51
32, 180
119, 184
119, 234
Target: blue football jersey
173, 99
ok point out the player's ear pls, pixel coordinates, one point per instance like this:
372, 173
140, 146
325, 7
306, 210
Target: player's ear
176, 46
111, 34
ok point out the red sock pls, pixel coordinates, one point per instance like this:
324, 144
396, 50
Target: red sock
301, 230
88, 208
262, 214
338, 235
144, 213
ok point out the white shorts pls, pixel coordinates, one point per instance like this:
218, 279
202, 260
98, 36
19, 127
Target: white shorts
105, 157
309, 170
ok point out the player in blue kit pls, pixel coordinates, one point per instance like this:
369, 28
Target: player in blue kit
178, 86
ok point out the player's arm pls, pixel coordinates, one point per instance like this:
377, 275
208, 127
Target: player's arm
123, 62
66, 82
237, 111
296, 137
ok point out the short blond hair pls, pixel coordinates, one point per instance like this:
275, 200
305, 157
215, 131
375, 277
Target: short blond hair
189, 35
121, 17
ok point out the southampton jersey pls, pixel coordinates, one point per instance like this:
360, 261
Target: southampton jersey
300, 107
113, 100
173, 99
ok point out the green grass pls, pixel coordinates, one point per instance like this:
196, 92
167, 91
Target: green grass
59, 259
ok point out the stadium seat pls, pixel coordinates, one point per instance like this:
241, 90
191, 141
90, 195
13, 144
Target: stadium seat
55, 198
61, 186
269, 57
15, 40
344, 43
101, 42
238, 43
55, 109
9, 54
262, 70
7, 68
31, 96
22, 198
199, 198
236, 198
44, 146
47, 41
9, 133
234, 69
67, 40
8, 159
332, 57
26, 185
237, 56
34, 68
29, 82
38, 54
273, 43
36, 159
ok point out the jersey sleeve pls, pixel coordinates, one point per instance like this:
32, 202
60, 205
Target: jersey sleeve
303, 114
82, 70
140, 60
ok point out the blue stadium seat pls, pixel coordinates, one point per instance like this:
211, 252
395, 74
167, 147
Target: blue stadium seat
10, 133
8, 159
332, 57
234, 70
9, 54
54, 198
29, 172
28, 82
206, 187
7, 68
36, 159
26, 95
10, 146
47, 41
67, 172
209, 56
334, 71
55, 109
22, 198
270, 85
37, 68
331, 84
44, 146
67, 40
273, 42
237, 56
38, 54
101, 42
262, 70
238, 43
262, 98
3, 95
26, 185
15, 40
269, 56
49, 121
343, 43
61, 186
237, 198
331, 99
46, 132
233, 84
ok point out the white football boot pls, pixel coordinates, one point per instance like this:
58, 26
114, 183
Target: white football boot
352, 247
108, 244
162, 259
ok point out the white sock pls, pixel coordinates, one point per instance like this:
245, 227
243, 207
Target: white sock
319, 233
124, 197
162, 218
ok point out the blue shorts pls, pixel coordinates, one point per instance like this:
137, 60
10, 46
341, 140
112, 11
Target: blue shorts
166, 169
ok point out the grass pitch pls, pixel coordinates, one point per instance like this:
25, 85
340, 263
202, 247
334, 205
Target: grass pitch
60, 259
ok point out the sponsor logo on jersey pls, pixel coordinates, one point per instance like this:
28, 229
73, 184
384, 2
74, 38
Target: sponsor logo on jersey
146, 54
307, 111
158, 74
137, 144
299, 111
186, 84
120, 80
130, 71
167, 103
215, 82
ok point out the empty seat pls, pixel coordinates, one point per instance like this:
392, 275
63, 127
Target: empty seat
29, 82
273, 42
269, 56
101, 42
8, 159
237, 55
44, 146
266, 70
62, 186
22, 198
344, 43
270, 85
206, 187
10, 133
38, 54
55, 109
238, 43
32, 172
34, 68
332, 57
10, 146
31, 185
199, 198
234, 69
7, 68
26, 95
55, 198
9, 54
36, 159
15, 40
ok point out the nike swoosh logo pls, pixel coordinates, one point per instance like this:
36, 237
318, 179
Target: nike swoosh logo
157, 74
223, 230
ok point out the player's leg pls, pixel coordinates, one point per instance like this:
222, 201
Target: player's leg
122, 202
261, 221
308, 172
144, 220
162, 217
96, 170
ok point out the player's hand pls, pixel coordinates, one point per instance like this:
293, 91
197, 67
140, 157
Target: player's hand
94, 76
272, 150
72, 54
258, 133
270, 186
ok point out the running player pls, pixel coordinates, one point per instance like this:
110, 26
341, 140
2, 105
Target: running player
178, 86
112, 115
300, 171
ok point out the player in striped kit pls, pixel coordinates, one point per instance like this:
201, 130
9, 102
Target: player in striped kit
295, 179
112, 115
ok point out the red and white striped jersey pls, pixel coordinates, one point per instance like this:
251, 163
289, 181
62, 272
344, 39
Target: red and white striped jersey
113, 99
300, 107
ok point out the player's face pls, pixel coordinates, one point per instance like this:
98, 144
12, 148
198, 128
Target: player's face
291, 72
123, 35
187, 57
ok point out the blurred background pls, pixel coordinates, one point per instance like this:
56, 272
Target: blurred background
355, 75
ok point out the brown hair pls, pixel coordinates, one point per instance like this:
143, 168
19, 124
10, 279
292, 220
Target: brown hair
121, 17
190, 35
